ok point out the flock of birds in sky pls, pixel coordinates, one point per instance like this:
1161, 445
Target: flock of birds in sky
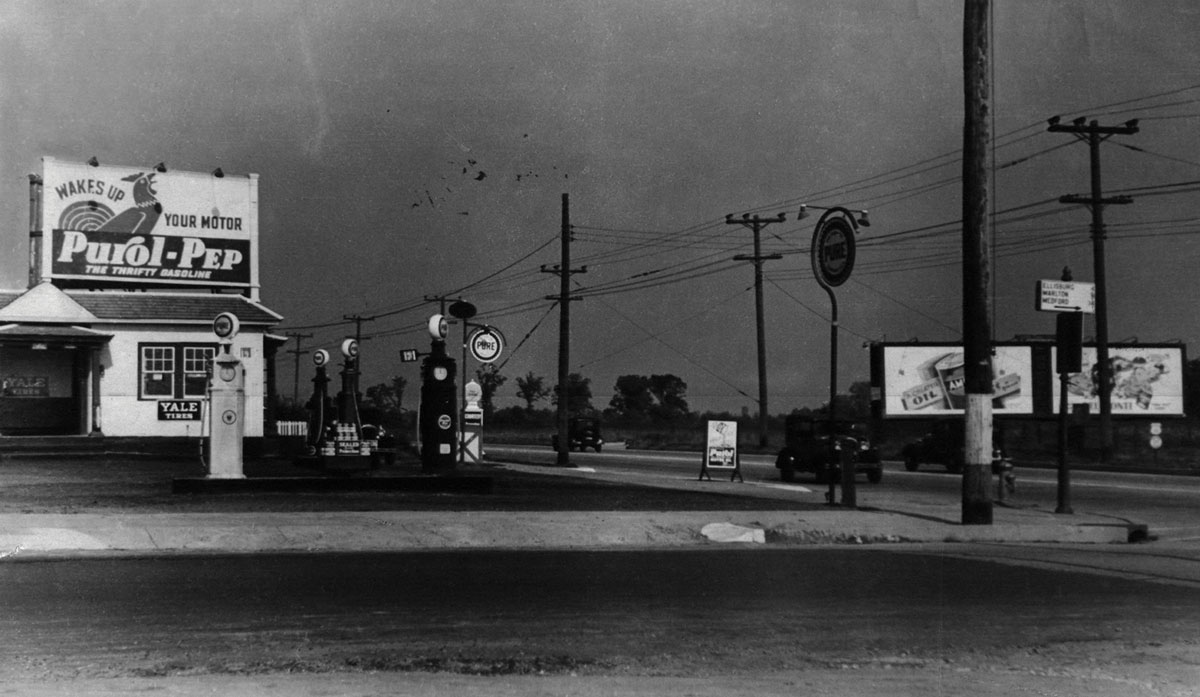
470, 171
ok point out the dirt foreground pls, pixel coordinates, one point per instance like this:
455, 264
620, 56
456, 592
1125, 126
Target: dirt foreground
1108, 670
1133, 658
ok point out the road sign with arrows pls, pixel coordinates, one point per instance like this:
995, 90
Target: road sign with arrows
1066, 296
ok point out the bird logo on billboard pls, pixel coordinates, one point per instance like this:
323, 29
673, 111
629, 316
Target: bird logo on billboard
140, 218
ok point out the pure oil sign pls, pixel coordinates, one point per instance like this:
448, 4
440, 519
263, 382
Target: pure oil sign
148, 226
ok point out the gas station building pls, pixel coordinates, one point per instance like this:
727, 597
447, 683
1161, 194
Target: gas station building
128, 269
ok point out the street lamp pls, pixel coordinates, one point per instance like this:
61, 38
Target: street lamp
863, 220
832, 261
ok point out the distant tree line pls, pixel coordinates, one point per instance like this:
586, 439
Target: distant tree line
637, 400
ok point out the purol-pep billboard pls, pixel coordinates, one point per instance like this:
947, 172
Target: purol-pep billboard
142, 226
922, 380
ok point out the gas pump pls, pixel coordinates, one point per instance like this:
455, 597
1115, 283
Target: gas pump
349, 426
344, 448
320, 408
472, 425
439, 403
227, 404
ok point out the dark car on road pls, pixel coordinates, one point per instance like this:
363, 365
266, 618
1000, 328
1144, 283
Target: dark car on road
945, 445
582, 433
811, 445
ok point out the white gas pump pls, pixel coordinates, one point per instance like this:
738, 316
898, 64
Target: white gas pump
472, 425
227, 404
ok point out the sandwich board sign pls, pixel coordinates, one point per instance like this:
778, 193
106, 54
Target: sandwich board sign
721, 450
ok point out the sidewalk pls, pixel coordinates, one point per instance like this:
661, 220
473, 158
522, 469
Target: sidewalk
130, 530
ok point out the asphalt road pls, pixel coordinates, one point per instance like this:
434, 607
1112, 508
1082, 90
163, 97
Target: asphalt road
682, 613
1167, 502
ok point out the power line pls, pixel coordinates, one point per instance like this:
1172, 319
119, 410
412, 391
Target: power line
673, 349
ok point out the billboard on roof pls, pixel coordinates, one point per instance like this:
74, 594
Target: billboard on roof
142, 226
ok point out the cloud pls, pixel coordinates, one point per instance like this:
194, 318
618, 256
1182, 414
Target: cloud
314, 144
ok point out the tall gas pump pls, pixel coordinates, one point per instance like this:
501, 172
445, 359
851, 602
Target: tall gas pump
439, 403
320, 408
349, 423
227, 404
349, 452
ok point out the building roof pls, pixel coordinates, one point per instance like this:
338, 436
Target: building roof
45, 303
56, 334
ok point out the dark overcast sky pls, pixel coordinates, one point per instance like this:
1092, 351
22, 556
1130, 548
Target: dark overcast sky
657, 119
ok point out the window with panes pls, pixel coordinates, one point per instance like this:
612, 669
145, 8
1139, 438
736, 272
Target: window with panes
174, 371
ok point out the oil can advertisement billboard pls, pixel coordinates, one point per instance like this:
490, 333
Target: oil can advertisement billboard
148, 226
924, 380
1146, 381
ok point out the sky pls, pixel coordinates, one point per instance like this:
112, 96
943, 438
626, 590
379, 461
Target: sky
414, 150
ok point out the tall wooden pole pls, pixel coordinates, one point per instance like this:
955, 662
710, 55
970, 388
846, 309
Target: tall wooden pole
1093, 134
977, 357
756, 224
564, 335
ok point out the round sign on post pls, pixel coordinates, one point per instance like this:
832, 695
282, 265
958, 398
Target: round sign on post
486, 344
833, 251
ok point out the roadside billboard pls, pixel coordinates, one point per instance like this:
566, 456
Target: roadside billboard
141, 226
1146, 381
922, 380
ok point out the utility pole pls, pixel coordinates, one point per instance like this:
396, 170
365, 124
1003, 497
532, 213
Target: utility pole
977, 354
756, 224
564, 271
440, 299
358, 320
1093, 134
297, 353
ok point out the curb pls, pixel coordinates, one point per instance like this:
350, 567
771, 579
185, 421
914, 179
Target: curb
28, 535
460, 484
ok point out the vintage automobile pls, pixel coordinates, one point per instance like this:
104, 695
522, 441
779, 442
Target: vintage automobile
944, 445
812, 446
582, 432
383, 445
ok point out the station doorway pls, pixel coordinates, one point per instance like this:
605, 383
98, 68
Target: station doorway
43, 390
